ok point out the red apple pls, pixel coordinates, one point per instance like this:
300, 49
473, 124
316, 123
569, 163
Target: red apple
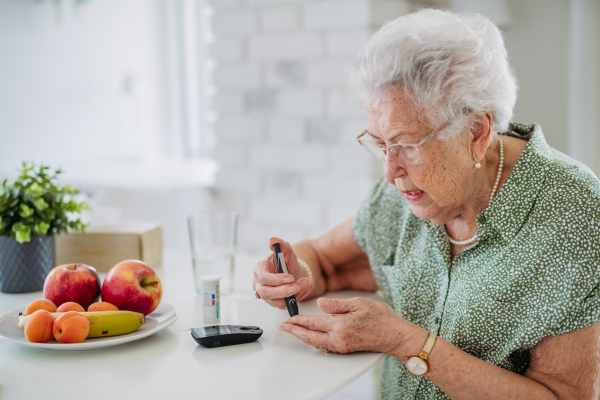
132, 285
78, 283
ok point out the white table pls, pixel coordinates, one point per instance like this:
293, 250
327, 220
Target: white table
170, 365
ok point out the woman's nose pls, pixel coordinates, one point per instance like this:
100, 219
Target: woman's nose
392, 168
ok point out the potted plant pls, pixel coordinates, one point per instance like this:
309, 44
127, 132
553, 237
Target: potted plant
32, 210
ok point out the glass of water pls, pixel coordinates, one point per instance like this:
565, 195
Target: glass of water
213, 237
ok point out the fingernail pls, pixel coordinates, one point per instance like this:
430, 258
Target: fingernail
293, 289
289, 320
288, 279
280, 327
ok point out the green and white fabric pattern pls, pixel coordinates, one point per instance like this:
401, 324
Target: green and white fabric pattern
533, 272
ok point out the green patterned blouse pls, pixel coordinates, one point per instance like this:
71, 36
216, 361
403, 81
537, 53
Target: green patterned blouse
533, 272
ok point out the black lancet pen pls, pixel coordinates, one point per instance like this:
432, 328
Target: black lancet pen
290, 302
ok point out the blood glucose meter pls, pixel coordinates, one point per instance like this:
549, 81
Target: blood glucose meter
225, 335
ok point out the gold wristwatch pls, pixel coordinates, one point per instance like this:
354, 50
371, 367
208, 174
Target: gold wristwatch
417, 365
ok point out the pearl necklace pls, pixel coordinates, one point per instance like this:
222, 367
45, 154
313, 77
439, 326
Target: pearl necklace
500, 166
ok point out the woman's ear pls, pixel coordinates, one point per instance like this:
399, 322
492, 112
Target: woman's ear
483, 125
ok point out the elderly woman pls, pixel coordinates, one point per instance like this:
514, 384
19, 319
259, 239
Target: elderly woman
483, 239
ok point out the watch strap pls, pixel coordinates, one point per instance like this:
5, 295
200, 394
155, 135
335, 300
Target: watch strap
428, 346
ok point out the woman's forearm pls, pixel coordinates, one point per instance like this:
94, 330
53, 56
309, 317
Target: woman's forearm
465, 377
305, 251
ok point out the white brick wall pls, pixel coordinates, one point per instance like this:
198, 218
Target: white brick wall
336, 14
239, 181
225, 4
286, 126
227, 49
239, 22
277, 19
327, 73
342, 103
242, 76
239, 128
228, 102
285, 74
301, 103
293, 213
345, 43
290, 46
289, 157
284, 130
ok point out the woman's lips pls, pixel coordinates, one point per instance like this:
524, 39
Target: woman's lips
413, 195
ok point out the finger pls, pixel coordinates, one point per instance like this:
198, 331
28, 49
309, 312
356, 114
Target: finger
269, 279
274, 240
277, 303
306, 286
276, 292
322, 323
288, 254
314, 338
338, 306
265, 265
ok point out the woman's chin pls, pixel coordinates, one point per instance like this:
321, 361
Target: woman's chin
424, 208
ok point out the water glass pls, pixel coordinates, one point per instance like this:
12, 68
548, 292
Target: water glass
213, 237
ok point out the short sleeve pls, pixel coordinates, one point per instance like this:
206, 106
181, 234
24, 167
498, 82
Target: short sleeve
586, 313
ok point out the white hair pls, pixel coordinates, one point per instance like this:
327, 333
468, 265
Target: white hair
443, 62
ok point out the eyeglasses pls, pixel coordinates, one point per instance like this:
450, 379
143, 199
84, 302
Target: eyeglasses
404, 152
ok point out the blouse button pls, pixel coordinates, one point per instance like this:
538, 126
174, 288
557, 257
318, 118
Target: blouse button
437, 320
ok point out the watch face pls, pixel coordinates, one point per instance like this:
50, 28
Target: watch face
416, 366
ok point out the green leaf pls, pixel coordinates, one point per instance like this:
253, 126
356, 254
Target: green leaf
36, 202
40, 204
50, 214
22, 232
41, 228
22, 237
35, 190
25, 211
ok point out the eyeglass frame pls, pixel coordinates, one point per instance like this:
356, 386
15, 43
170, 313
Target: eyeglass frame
415, 146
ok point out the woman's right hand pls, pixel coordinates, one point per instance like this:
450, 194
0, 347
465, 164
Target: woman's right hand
273, 287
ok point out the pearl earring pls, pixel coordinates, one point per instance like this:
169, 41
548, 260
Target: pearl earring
477, 165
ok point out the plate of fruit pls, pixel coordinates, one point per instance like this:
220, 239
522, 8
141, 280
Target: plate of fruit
71, 317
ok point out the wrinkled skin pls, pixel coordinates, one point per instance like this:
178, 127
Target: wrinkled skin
355, 325
455, 193
272, 286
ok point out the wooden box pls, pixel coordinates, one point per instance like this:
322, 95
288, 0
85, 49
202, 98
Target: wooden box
104, 246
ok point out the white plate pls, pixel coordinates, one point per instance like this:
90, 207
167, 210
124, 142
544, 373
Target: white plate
164, 315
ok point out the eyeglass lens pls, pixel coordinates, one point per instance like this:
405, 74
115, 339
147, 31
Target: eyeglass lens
403, 153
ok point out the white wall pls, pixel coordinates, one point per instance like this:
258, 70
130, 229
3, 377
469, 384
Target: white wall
584, 82
554, 47
287, 124
99, 89
86, 86
538, 45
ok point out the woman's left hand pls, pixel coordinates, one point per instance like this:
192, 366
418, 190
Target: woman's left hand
357, 324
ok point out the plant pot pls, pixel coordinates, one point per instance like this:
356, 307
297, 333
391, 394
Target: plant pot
24, 266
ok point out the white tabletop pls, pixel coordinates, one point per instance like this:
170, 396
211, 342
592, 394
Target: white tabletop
171, 365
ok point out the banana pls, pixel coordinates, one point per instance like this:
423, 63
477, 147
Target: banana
104, 323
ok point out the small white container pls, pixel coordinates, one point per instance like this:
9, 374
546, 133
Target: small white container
211, 297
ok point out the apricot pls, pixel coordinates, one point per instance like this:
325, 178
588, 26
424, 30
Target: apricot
38, 328
70, 306
71, 327
103, 306
41, 304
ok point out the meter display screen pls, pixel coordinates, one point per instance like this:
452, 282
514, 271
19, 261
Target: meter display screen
216, 330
